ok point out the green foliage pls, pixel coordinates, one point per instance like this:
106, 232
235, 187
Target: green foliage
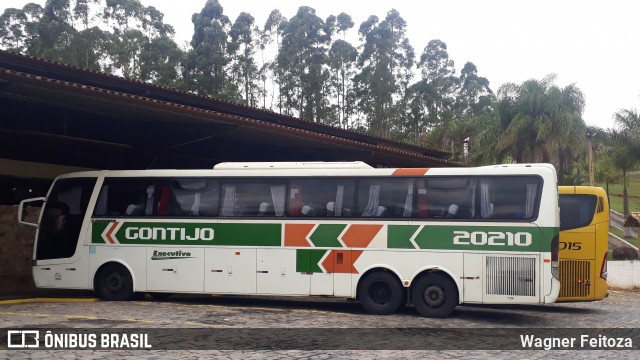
118, 36
539, 122
385, 66
242, 49
625, 148
207, 65
302, 62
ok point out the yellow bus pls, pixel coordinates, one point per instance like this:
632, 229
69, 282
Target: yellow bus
584, 242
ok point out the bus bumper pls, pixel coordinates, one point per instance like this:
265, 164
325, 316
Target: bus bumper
555, 291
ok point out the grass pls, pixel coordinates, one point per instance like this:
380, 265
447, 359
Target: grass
615, 193
631, 240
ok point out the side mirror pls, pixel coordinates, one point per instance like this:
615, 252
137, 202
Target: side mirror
21, 210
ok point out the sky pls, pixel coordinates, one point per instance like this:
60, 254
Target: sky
592, 43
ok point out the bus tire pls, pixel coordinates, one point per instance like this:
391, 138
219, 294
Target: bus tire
380, 293
434, 295
114, 283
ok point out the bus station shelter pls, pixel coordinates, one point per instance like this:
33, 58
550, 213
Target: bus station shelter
58, 118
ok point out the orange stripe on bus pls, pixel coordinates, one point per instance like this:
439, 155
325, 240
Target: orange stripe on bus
329, 262
360, 236
345, 265
296, 234
410, 171
110, 232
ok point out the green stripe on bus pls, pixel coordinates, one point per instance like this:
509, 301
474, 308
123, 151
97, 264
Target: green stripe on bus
439, 237
487, 238
159, 233
326, 235
399, 236
307, 260
548, 234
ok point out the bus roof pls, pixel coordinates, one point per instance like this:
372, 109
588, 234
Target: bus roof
292, 165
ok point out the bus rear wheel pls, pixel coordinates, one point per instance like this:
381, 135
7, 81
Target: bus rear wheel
434, 295
380, 293
114, 283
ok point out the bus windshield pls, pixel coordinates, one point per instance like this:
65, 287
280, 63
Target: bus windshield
577, 210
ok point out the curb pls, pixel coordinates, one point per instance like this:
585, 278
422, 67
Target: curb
48, 300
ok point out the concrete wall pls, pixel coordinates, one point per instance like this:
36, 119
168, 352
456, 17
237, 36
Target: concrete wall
624, 274
16, 249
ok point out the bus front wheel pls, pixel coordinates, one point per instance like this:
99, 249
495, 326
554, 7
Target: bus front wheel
114, 283
380, 293
434, 295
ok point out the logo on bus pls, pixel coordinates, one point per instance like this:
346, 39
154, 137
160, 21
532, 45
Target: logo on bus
168, 255
492, 238
114, 233
570, 245
169, 233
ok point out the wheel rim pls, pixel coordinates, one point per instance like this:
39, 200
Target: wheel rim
380, 293
434, 296
114, 282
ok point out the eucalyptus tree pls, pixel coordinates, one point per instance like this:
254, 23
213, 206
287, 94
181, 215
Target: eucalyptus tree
385, 63
302, 60
17, 27
84, 12
106, 35
433, 97
474, 96
270, 33
342, 64
141, 46
207, 63
626, 149
50, 32
160, 61
342, 61
89, 49
244, 35
53, 31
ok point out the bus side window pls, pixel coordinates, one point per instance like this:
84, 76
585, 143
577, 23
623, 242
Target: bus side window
126, 197
448, 197
386, 197
250, 198
508, 198
190, 197
320, 198
163, 201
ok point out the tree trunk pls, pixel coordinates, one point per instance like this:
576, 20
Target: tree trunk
625, 195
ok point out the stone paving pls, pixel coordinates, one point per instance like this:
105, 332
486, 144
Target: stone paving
620, 310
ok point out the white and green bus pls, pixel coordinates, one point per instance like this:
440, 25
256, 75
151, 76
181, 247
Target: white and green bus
430, 237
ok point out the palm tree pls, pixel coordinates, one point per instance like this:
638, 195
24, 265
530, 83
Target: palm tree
540, 122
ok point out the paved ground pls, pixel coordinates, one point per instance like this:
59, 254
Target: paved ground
285, 318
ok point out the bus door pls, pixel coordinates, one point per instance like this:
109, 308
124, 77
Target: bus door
59, 261
473, 277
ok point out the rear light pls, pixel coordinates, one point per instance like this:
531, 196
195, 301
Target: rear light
555, 252
603, 270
